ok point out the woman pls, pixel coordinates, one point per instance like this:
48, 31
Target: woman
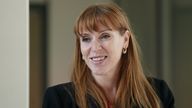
107, 69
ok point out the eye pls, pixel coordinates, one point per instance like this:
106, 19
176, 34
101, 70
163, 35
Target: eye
85, 39
105, 36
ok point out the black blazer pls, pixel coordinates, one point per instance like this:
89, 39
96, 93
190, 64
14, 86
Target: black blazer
62, 96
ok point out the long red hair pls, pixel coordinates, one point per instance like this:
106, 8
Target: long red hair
133, 88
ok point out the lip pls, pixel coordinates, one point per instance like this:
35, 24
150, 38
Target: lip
98, 59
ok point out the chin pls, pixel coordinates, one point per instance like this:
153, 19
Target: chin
97, 72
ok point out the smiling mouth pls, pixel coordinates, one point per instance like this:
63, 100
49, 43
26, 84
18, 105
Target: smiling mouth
98, 59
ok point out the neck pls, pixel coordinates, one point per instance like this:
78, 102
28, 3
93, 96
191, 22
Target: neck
108, 84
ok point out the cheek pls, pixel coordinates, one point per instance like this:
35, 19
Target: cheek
116, 49
115, 46
84, 49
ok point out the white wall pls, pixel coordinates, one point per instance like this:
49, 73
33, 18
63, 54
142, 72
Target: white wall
14, 72
62, 15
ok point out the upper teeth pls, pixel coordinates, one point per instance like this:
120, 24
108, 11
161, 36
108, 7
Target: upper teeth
98, 58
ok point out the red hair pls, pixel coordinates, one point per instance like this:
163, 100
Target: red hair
133, 87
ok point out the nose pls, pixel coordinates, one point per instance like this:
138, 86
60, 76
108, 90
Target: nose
96, 45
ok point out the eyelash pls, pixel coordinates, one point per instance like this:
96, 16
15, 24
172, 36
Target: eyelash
102, 37
86, 39
105, 36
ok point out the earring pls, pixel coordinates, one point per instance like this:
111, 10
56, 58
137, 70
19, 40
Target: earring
124, 50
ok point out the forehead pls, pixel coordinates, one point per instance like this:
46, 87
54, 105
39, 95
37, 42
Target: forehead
96, 19
99, 28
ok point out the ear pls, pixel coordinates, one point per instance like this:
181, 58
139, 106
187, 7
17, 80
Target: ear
126, 39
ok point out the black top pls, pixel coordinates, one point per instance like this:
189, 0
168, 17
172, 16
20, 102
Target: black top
62, 96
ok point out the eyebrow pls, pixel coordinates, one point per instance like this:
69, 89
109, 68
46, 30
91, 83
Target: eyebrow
105, 30
101, 31
84, 34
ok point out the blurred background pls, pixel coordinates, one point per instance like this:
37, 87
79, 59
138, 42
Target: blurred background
163, 29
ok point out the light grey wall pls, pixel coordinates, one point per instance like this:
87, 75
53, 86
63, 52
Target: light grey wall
14, 58
62, 15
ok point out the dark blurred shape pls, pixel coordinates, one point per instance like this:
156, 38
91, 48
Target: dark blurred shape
38, 49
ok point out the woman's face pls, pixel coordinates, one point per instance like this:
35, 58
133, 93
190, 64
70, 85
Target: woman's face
102, 50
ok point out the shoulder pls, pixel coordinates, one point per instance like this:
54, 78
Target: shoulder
163, 91
59, 96
60, 88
